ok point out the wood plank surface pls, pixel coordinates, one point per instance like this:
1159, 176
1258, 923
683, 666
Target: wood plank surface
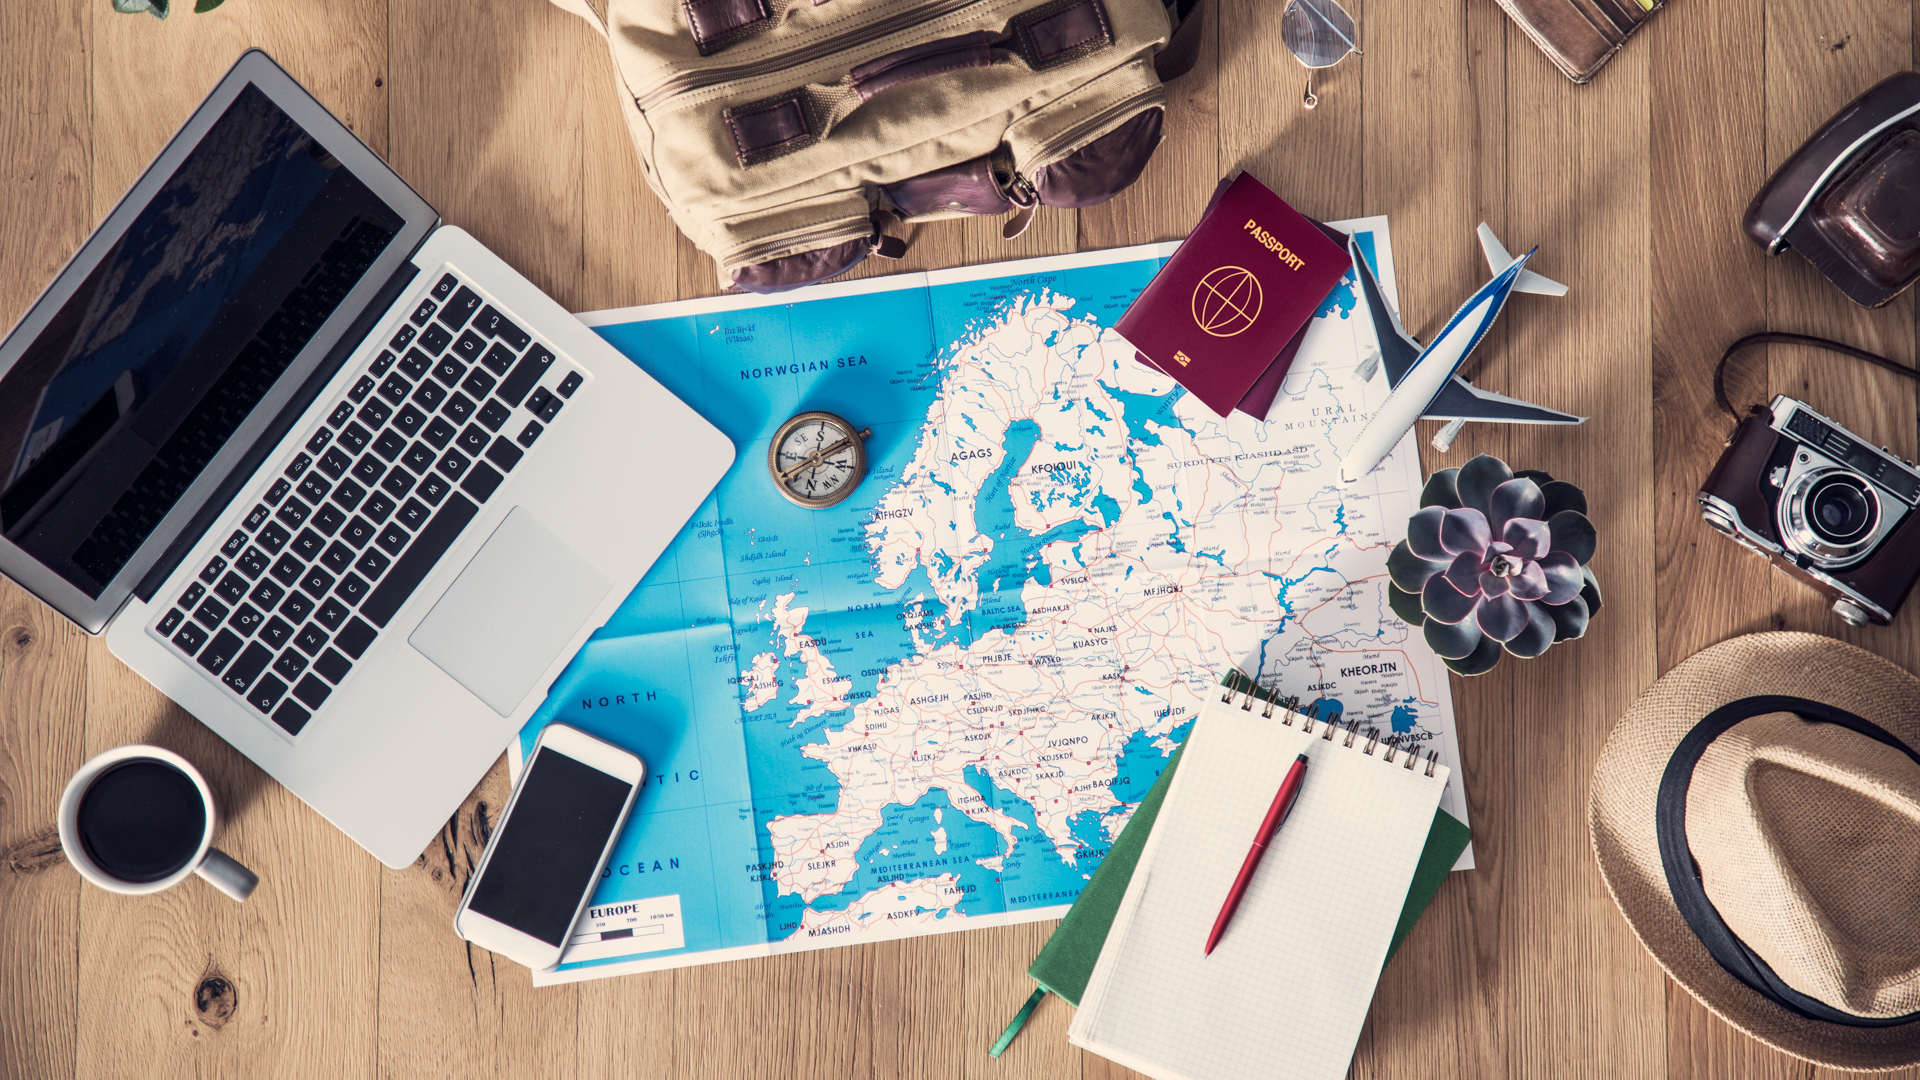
504, 115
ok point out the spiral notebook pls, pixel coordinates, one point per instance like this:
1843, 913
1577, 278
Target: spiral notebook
1287, 990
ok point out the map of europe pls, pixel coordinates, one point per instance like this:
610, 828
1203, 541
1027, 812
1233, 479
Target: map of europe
935, 705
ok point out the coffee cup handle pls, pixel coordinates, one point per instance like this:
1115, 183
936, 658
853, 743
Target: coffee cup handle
227, 875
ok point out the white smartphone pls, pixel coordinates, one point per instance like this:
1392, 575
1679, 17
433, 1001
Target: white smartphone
546, 854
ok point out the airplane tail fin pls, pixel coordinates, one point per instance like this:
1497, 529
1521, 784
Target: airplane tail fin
1499, 258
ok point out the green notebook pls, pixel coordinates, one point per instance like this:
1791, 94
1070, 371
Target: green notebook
1066, 961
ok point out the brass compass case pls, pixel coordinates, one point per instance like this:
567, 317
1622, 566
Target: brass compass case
839, 448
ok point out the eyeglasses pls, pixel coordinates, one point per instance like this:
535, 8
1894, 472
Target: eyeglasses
1319, 34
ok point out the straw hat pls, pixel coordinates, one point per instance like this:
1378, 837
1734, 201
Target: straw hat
1756, 815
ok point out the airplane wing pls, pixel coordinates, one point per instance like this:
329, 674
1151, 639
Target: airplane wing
1499, 258
1398, 351
1461, 400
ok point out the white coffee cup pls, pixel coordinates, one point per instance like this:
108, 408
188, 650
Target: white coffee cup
208, 861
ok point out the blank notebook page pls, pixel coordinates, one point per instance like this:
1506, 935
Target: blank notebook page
1286, 991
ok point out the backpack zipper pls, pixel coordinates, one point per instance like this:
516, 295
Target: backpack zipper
1017, 189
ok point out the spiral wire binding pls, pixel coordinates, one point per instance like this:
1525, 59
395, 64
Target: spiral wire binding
1290, 711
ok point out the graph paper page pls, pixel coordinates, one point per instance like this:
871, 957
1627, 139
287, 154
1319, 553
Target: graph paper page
1286, 991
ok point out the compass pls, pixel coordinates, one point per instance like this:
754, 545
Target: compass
817, 459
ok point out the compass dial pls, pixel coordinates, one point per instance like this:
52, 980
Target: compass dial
817, 459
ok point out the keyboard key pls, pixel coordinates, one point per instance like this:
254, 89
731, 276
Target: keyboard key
331, 666
291, 717
220, 651
419, 458
329, 518
414, 514
331, 614
353, 588
319, 441
337, 558
452, 464
403, 338
395, 388
449, 370
422, 313
372, 564
267, 594
493, 414
354, 438
314, 488
312, 691
473, 441
232, 588
214, 568
439, 432
397, 483
470, 347
311, 640
316, 581
428, 395
445, 286
369, 469
354, 638
293, 513
298, 606
335, 462
193, 594
274, 537
361, 389
245, 619
211, 613
457, 408
481, 482
288, 569
234, 545
297, 466
381, 363
544, 405
388, 446
416, 365
341, 413
460, 307
410, 569
190, 638
277, 632
525, 374
569, 384
307, 545
392, 539
266, 694
435, 339
278, 491
498, 360
504, 454
529, 433
171, 621
375, 413
254, 518
253, 563
408, 421
378, 506
358, 532
492, 322
433, 489
247, 667
290, 666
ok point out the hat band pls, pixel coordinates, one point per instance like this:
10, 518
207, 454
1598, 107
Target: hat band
1683, 874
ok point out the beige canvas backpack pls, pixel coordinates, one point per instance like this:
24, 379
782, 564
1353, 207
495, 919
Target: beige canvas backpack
782, 135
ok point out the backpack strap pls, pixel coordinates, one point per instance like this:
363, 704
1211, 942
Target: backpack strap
1189, 19
585, 10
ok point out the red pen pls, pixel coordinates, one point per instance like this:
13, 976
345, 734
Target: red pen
1277, 813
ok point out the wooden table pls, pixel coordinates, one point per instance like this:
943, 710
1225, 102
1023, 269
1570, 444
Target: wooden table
502, 114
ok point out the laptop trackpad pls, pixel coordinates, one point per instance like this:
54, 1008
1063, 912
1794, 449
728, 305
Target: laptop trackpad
514, 607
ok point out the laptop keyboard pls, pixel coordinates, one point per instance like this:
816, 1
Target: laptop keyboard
356, 516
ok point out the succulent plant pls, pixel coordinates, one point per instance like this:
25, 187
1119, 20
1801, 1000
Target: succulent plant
1495, 561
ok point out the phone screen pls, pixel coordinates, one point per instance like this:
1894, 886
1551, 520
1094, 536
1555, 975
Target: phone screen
543, 862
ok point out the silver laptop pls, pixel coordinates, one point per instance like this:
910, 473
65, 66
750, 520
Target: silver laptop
331, 475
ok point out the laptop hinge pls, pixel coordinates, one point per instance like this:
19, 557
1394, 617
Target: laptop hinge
243, 472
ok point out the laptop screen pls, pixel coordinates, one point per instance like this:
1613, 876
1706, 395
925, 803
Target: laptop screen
113, 411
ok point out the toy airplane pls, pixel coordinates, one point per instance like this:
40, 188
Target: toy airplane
1424, 380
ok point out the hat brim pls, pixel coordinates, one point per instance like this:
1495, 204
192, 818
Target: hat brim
1620, 820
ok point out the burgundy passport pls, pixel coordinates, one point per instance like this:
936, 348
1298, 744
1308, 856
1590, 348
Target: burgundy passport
1234, 294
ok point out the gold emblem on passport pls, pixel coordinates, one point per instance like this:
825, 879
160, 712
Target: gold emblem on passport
1227, 301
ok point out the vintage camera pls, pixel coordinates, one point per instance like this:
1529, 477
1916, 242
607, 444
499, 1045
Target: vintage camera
1822, 505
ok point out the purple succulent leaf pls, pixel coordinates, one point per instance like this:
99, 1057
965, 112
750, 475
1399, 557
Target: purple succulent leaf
1442, 602
1482, 660
1405, 604
1536, 637
1423, 534
1501, 617
1498, 547
1517, 498
1451, 641
1491, 585
1477, 480
1569, 619
1464, 574
1410, 571
1529, 538
1440, 490
1538, 476
1564, 580
1574, 534
1591, 593
1530, 583
1562, 496
1465, 531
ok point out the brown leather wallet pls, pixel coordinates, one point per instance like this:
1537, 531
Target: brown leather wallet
1579, 36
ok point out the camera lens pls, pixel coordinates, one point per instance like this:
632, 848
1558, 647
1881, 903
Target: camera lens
1840, 509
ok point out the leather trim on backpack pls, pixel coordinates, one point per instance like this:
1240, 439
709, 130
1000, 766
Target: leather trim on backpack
1053, 34
718, 23
766, 129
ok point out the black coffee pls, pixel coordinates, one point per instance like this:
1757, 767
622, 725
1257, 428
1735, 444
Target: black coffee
141, 821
